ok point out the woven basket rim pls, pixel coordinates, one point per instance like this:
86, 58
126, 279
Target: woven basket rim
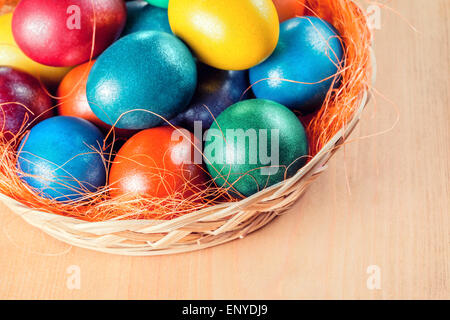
197, 230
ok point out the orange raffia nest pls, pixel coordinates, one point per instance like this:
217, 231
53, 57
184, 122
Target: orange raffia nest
210, 217
7, 5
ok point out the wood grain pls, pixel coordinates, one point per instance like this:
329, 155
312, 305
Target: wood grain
384, 201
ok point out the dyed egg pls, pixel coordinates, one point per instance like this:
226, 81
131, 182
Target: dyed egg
288, 9
159, 3
23, 102
133, 8
321, 9
157, 162
60, 32
73, 101
61, 158
216, 91
144, 17
12, 56
309, 52
255, 144
226, 34
158, 77
72, 95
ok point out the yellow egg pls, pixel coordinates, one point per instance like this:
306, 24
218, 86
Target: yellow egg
12, 56
227, 34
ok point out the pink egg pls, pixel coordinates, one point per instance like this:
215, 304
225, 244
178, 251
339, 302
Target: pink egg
59, 33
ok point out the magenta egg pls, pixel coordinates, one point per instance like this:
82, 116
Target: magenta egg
60, 33
23, 102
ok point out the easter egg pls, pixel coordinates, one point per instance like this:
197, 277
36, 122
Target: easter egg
157, 162
72, 95
255, 144
60, 32
133, 8
146, 18
61, 158
216, 91
157, 77
23, 102
72, 100
303, 67
321, 9
226, 34
159, 3
288, 9
12, 56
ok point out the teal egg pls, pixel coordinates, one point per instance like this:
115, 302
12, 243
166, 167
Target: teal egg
144, 17
139, 79
254, 144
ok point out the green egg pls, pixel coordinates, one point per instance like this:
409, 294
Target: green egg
255, 144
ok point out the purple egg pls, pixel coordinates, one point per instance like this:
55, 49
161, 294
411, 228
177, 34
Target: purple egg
216, 91
23, 102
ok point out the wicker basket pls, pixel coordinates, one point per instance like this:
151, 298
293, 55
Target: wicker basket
202, 229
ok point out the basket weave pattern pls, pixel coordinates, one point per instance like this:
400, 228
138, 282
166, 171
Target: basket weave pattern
205, 228
198, 230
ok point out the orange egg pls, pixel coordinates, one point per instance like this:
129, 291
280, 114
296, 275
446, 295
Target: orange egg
319, 9
73, 101
157, 162
72, 94
288, 9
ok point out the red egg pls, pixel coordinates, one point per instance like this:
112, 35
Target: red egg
288, 9
23, 102
158, 162
73, 101
59, 33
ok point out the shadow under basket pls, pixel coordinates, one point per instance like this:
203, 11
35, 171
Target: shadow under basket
227, 221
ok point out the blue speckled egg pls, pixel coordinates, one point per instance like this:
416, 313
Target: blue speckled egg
145, 17
141, 76
216, 91
61, 158
309, 51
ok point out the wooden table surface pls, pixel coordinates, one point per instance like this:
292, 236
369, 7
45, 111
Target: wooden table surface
374, 226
